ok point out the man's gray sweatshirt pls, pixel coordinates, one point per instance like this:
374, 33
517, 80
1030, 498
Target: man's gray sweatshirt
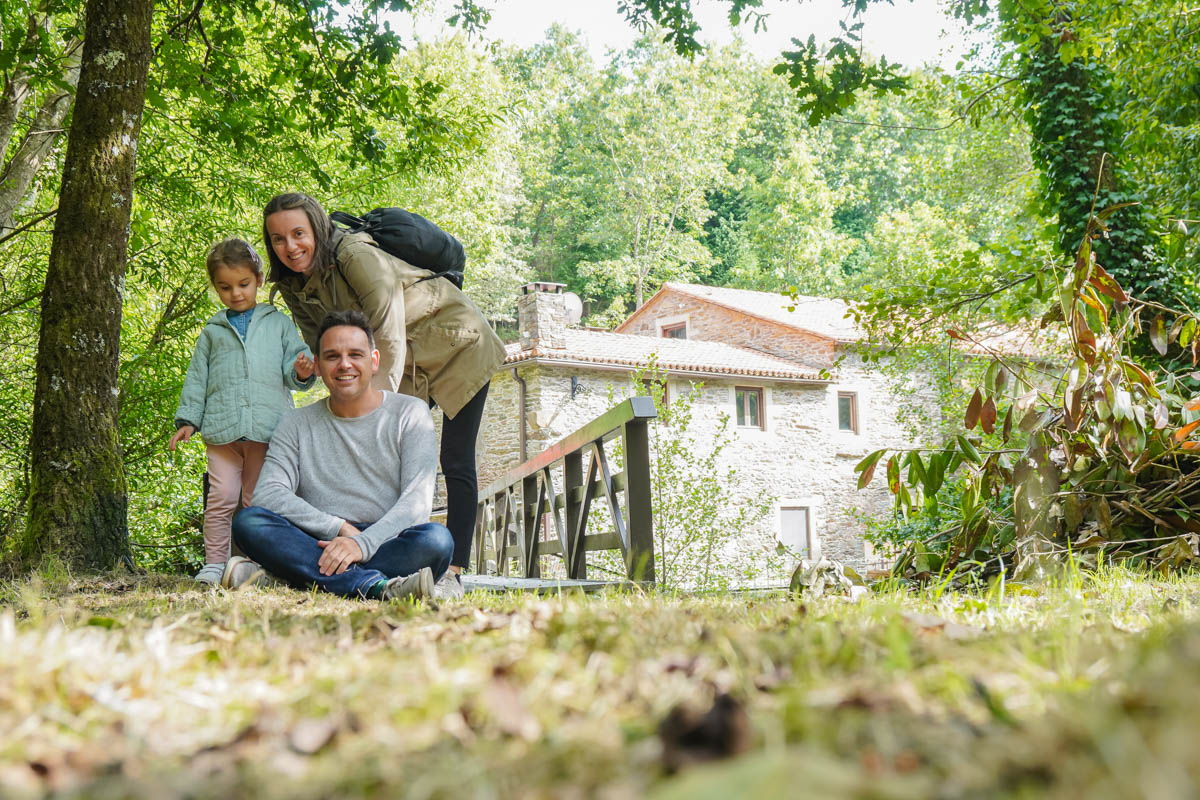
377, 470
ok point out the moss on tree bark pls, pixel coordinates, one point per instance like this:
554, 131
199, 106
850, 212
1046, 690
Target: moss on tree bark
78, 502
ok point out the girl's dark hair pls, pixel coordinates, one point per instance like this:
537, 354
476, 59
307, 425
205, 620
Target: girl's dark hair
235, 254
318, 220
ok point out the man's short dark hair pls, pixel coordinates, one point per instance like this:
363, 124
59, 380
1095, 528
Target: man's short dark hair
349, 317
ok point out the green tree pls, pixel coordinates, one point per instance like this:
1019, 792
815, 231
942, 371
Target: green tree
635, 160
224, 115
78, 502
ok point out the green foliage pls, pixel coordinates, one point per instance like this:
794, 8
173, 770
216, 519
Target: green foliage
1078, 145
701, 514
1095, 461
228, 125
623, 207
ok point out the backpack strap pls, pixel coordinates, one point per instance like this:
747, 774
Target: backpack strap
355, 224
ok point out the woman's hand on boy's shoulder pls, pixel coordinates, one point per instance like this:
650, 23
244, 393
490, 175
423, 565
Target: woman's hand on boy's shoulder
182, 435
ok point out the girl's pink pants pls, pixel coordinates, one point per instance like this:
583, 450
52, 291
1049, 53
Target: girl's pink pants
232, 472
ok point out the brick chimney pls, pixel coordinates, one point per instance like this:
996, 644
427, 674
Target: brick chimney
542, 315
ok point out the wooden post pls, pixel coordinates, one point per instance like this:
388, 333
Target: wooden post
531, 516
639, 560
479, 540
634, 525
573, 547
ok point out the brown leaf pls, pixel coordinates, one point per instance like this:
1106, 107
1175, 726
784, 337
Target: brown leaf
1008, 424
867, 466
1073, 408
930, 624
893, 475
1161, 415
1138, 374
953, 334
1089, 297
508, 711
1107, 285
689, 736
973, 408
987, 416
311, 736
1103, 514
1158, 334
1085, 338
1186, 430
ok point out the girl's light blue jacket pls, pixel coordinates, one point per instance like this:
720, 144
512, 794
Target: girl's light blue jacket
238, 389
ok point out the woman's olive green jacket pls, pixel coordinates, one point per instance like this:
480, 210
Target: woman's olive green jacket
433, 341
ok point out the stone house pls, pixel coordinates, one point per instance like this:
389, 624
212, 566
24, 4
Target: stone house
802, 407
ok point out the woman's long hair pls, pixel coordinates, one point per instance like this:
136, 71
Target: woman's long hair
318, 220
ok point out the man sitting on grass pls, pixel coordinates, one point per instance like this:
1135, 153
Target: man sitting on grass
344, 497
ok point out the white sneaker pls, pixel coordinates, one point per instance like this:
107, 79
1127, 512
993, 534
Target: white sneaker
419, 584
241, 571
210, 574
449, 586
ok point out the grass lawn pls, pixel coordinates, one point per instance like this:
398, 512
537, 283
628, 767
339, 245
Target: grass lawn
151, 687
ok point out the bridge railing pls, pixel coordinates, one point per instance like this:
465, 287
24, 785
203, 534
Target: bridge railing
542, 507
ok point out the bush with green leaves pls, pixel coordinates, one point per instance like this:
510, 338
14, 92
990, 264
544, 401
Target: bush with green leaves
704, 518
1097, 460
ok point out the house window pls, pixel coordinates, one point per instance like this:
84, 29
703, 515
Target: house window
795, 530
656, 390
676, 331
749, 406
847, 411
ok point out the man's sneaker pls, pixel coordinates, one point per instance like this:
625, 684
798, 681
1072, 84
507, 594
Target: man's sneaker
241, 571
449, 586
210, 574
419, 584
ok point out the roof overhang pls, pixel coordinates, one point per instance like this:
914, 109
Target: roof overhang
609, 366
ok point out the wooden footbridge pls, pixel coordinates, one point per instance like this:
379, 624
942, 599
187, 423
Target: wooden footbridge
531, 529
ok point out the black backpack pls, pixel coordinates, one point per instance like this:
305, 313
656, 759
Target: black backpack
412, 238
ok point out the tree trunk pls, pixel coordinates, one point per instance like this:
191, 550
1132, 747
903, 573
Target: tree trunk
16, 88
77, 506
38, 143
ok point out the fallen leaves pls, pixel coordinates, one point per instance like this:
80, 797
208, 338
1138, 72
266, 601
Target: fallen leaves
691, 736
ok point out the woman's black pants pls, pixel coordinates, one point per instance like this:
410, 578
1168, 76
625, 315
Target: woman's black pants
459, 469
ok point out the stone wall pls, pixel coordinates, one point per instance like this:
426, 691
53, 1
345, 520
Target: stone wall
714, 323
801, 458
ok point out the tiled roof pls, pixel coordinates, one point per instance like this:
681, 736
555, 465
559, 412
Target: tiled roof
673, 355
825, 316
1016, 340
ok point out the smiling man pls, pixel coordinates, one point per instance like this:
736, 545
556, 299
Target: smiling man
344, 497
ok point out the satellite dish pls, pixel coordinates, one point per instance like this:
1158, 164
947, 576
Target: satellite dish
574, 308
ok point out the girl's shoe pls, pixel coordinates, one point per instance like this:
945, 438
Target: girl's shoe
241, 571
210, 574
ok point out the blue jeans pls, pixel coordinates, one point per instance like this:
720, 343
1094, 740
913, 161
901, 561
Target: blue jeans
291, 554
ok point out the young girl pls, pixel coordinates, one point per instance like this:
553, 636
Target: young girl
238, 384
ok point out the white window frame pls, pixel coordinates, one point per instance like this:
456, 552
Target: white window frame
861, 399
855, 419
813, 504
764, 397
